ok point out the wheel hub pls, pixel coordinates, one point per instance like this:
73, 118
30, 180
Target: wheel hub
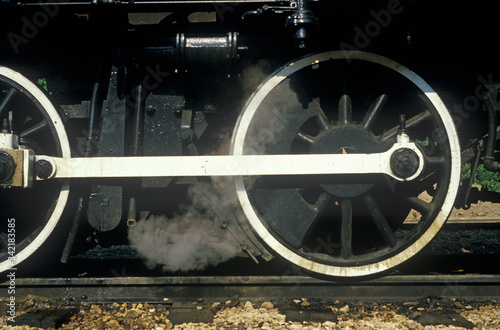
347, 139
404, 163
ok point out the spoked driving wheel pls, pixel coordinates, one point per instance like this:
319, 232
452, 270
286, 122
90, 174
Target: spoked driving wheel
28, 214
341, 103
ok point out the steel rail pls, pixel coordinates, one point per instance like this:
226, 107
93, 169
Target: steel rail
461, 221
176, 289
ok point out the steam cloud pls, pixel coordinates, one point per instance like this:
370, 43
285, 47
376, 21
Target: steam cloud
200, 236
255, 74
194, 239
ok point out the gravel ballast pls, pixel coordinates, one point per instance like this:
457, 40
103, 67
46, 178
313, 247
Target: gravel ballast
300, 313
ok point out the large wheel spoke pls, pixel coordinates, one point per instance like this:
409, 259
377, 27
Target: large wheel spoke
35, 129
313, 106
321, 118
380, 221
419, 205
374, 111
435, 162
321, 202
345, 110
7, 98
346, 229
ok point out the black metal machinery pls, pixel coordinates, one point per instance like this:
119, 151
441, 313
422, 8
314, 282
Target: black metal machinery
194, 78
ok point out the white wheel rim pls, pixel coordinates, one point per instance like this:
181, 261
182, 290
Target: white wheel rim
66, 153
243, 124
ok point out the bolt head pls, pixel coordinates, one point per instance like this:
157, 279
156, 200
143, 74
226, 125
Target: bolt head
150, 110
209, 108
43, 169
404, 163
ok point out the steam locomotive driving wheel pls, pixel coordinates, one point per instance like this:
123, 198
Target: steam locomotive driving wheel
348, 103
30, 209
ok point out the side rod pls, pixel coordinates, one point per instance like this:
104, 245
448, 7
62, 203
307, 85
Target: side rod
229, 165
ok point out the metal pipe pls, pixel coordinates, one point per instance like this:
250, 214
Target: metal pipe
132, 212
70, 240
137, 124
87, 151
88, 147
136, 148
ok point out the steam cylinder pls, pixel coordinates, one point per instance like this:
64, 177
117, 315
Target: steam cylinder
217, 54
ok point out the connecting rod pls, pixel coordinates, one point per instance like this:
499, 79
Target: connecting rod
228, 165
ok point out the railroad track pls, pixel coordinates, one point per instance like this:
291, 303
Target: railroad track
177, 289
463, 221
467, 275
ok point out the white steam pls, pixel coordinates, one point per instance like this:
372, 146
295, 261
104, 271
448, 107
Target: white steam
200, 234
194, 239
255, 74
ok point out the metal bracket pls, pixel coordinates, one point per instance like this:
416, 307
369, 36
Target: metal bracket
22, 176
186, 130
479, 152
104, 210
494, 95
